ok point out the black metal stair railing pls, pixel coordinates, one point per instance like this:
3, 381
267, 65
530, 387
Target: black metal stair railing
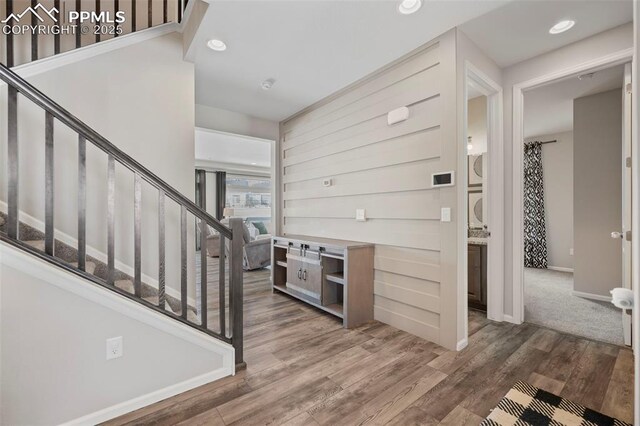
233, 333
56, 12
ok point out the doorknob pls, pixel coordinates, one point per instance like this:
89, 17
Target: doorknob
617, 235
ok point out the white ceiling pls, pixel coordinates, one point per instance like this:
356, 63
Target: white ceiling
226, 150
549, 109
520, 29
311, 48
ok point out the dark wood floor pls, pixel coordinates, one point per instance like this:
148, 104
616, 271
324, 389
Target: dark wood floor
304, 369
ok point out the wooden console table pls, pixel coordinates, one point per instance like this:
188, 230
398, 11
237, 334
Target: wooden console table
333, 275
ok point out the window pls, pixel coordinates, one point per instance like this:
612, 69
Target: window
249, 196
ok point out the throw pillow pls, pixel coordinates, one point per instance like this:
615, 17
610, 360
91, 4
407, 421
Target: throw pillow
261, 228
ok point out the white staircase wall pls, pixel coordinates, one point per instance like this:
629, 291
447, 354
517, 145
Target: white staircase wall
53, 328
141, 98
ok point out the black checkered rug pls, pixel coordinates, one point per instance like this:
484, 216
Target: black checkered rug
525, 405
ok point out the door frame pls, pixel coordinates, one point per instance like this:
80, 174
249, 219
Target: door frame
597, 64
473, 76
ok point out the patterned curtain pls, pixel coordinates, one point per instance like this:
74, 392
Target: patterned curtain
535, 232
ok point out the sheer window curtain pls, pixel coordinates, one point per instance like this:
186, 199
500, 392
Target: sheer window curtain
535, 231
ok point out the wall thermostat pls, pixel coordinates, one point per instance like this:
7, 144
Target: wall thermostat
443, 179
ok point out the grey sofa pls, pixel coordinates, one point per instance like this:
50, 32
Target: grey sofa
256, 252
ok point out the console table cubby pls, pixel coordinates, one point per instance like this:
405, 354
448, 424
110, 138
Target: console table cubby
333, 275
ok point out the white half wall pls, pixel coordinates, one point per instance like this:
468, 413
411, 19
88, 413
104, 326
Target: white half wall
53, 328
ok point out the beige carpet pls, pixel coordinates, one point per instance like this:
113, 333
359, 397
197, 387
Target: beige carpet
548, 302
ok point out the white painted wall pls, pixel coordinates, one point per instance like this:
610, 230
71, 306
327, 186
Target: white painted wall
234, 122
557, 169
139, 97
614, 40
53, 331
477, 124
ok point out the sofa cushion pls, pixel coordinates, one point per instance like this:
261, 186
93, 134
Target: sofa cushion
260, 226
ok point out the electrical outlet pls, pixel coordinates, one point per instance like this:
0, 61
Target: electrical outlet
571, 251
114, 347
326, 182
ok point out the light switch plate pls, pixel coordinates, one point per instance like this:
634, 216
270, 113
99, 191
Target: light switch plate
326, 182
361, 215
114, 347
445, 214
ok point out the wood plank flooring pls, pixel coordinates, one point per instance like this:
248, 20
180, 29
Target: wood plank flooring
303, 368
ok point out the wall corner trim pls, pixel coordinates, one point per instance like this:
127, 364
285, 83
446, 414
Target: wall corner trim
462, 344
76, 55
509, 318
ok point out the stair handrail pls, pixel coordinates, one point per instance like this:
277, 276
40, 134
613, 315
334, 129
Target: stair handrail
64, 116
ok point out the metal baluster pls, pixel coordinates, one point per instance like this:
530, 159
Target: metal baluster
98, 13
133, 16
48, 186
203, 273
111, 219
149, 13
236, 289
179, 11
34, 34
222, 287
77, 22
56, 37
161, 248
9, 37
116, 9
137, 235
82, 202
12, 166
183, 261
164, 11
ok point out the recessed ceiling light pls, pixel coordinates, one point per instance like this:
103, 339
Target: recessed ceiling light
253, 164
562, 26
268, 84
407, 7
217, 45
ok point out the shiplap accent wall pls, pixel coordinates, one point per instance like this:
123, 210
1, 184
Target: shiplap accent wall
385, 170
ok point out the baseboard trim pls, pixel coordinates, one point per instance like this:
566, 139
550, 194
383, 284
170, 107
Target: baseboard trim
462, 344
560, 269
509, 318
591, 296
148, 399
95, 253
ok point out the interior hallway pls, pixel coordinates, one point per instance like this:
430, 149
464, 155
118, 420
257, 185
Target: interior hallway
304, 368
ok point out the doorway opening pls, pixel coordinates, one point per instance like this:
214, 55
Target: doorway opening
481, 195
574, 198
